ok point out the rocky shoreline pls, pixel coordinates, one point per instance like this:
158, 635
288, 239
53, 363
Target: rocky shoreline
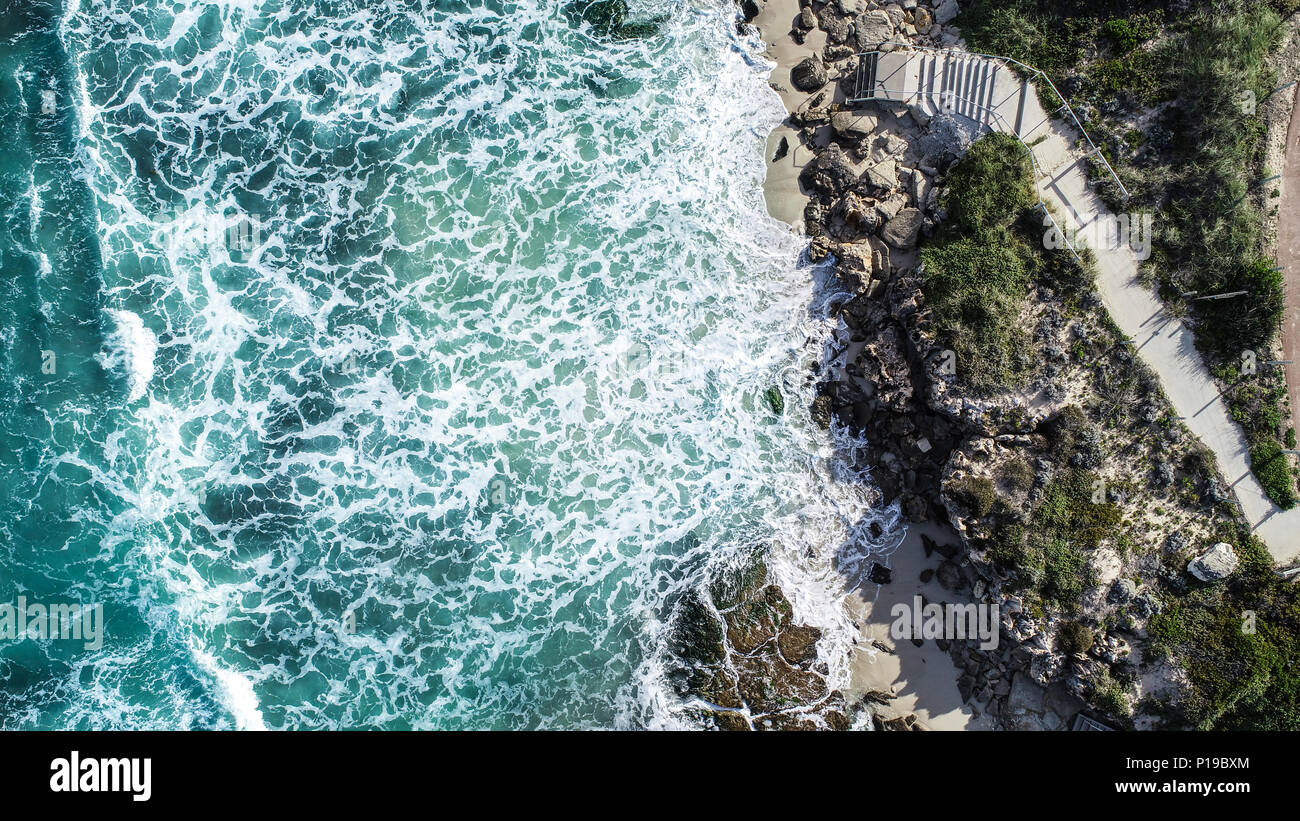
871, 182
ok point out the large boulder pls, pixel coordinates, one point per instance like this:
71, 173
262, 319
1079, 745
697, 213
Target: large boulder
901, 231
883, 174
872, 29
884, 362
857, 263
853, 125
1215, 564
809, 75
830, 173
1024, 705
853, 215
921, 187
834, 23
945, 11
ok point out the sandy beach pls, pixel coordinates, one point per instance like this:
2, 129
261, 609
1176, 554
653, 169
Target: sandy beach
775, 19
921, 680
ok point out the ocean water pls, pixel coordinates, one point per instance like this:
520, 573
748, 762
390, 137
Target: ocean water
394, 364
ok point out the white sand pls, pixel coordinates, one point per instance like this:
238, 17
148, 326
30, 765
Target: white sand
923, 679
784, 199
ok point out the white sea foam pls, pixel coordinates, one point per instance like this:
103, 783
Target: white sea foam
490, 386
131, 349
237, 693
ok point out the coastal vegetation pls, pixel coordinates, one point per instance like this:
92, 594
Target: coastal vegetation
1175, 102
1239, 643
1234, 640
982, 261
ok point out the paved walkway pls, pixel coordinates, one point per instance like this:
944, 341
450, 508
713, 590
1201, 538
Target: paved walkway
983, 89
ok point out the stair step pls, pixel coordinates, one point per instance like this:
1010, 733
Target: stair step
1020, 108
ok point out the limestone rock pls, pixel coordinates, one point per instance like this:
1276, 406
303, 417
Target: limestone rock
1123, 591
1215, 564
945, 11
830, 173
901, 231
884, 362
1024, 704
835, 24
921, 185
883, 174
856, 214
853, 125
857, 263
872, 29
890, 206
820, 411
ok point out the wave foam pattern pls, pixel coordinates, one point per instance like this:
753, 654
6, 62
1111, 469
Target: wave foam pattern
440, 444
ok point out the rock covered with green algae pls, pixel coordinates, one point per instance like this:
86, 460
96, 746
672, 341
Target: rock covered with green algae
611, 18
742, 661
775, 400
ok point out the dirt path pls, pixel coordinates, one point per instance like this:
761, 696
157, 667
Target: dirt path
1288, 256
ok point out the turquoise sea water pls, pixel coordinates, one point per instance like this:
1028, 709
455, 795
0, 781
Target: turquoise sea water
392, 364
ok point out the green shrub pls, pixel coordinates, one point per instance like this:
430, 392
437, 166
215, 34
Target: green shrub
979, 494
1075, 638
1065, 574
1067, 509
1009, 552
1017, 474
1063, 430
1109, 697
1125, 35
980, 264
1270, 465
1239, 679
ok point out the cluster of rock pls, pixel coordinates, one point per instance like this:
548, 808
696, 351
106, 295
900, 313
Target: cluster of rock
739, 661
862, 25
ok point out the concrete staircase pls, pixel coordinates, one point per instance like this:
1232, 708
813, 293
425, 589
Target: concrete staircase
979, 88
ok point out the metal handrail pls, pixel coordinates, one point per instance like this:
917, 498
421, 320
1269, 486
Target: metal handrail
1094, 150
